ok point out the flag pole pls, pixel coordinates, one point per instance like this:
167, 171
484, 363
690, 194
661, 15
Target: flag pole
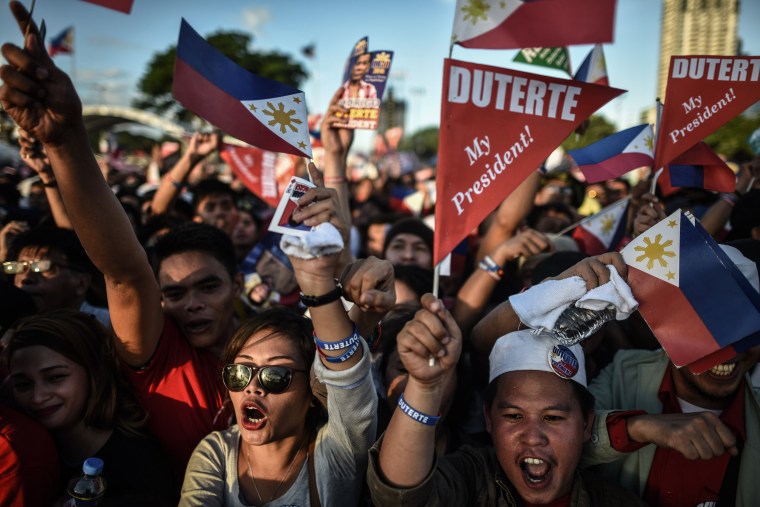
586, 219
659, 171
29, 20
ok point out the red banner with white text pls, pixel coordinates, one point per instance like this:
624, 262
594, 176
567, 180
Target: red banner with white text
703, 94
498, 125
258, 170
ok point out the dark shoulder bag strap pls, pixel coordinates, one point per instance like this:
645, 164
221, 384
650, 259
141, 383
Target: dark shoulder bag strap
313, 493
727, 494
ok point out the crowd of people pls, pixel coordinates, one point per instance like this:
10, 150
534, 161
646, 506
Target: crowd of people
131, 333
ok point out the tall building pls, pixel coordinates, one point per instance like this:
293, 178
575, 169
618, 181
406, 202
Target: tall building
696, 27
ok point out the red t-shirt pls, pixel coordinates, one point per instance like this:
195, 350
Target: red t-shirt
29, 467
182, 391
674, 480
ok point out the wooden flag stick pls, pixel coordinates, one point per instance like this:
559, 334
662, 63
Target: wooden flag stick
586, 219
29, 21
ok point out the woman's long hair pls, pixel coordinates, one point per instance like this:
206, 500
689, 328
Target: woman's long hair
111, 404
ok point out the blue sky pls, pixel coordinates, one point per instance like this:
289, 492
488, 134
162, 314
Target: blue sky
112, 49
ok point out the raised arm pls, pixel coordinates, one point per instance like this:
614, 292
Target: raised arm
42, 100
407, 452
315, 277
35, 157
199, 147
511, 212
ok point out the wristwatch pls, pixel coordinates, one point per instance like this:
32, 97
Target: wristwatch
324, 299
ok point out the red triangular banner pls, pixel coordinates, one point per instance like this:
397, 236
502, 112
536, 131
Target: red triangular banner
703, 93
498, 125
124, 6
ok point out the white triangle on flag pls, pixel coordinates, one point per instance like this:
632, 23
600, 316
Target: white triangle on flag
286, 117
657, 251
605, 223
642, 143
474, 18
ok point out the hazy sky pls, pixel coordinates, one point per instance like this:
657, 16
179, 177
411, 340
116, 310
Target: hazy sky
112, 49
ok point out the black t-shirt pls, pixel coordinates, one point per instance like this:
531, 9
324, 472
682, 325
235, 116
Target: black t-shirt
137, 472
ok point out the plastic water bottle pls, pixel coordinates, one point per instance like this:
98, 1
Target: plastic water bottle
576, 324
87, 490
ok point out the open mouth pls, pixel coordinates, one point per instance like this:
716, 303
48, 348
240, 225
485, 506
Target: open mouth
536, 471
723, 370
252, 417
198, 326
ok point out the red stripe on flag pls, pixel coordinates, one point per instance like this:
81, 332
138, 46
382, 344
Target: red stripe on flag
550, 23
675, 324
587, 242
707, 362
212, 104
124, 6
614, 167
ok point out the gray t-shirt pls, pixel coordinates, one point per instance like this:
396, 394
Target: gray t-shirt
341, 449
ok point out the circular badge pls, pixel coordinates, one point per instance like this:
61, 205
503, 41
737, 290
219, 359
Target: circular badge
563, 362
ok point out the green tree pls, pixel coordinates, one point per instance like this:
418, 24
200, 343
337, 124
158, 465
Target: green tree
598, 128
731, 139
424, 143
155, 85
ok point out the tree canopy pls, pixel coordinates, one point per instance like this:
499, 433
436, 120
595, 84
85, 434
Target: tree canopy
155, 85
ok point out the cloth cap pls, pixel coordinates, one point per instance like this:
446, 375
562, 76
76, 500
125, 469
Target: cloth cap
526, 351
413, 226
745, 265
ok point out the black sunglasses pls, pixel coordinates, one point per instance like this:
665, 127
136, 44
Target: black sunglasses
273, 379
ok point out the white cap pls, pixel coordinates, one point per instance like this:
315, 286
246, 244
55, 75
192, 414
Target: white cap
526, 351
746, 266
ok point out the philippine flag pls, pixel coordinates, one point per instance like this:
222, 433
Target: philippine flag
62, 43
698, 167
690, 298
594, 68
124, 6
602, 232
617, 154
532, 23
259, 111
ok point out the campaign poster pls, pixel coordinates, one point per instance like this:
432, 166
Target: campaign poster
364, 82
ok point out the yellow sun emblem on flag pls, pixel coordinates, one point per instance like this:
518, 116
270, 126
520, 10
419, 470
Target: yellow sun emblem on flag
475, 10
281, 117
608, 222
649, 141
655, 251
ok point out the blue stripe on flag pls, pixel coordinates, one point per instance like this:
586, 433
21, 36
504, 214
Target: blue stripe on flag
607, 147
687, 176
223, 72
716, 297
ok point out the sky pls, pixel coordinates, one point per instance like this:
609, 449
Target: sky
112, 50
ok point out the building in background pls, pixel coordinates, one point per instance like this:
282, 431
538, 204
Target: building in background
695, 27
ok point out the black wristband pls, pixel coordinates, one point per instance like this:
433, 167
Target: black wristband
50, 184
324, 299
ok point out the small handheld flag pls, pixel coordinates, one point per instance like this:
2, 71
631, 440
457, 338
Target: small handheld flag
594, 68
259, 111
62, 43
617, 154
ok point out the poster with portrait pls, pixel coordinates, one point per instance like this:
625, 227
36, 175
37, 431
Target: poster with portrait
364, 80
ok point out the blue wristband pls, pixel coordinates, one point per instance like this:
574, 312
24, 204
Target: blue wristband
429, 420
343, 358
341, 345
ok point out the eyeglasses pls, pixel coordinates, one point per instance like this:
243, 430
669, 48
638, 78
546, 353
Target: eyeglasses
273, 379
36, 266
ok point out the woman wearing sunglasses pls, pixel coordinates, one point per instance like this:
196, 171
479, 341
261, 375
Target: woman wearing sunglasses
281, 451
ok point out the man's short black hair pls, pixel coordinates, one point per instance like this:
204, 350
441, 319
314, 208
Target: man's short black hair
54, 240
195, 237
211, 186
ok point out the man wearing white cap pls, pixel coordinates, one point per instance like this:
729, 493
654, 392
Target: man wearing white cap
537, 410
706, 428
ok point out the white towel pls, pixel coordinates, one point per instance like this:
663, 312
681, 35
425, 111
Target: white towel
540, 306
323, 239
